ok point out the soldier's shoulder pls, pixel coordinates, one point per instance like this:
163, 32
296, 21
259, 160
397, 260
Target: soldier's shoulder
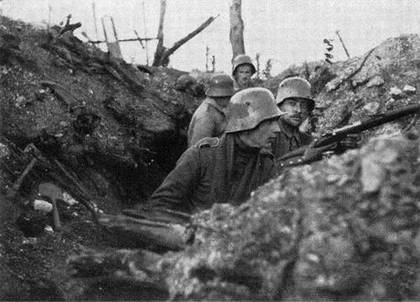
208, 142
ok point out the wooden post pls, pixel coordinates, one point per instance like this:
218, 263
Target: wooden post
145, 34
160, 49
49, 17
114, 29
94, 20
207, 58
236, 29
114, 46
104, 29
138, 37
257, 59
342, 43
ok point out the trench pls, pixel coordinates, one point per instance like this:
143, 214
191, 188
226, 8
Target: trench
113, 183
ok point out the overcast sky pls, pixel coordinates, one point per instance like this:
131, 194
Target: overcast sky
287, 31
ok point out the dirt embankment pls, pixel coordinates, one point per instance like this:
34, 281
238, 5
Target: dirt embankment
344, 228
103, 130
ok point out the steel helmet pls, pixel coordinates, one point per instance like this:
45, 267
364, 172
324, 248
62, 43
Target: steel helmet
295, 87
249, 107
241, 60
220, 86
184, 81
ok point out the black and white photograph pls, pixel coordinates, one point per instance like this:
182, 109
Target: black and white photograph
209, 150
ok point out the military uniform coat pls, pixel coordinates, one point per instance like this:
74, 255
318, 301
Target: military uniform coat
209, 120
288, 139
213, 171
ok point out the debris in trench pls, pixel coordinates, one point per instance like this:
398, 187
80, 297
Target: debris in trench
32, 224
43, 206
375, 81
408, 89
396, 93
53, 193
11, 193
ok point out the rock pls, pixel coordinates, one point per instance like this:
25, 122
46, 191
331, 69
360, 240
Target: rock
396, 93
375, 81
21, 101
67, 198
4, 151
365, 79
42, 205
374, 164
372, 107
408, 89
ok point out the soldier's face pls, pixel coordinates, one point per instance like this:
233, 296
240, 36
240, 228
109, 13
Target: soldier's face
222, 100
263, 136
243, 75
297, 110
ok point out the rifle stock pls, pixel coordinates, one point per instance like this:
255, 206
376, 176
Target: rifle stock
296, 157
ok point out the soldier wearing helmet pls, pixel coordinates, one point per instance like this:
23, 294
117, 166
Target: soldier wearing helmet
226, 169
209, 120
242, 71
294, 99
188, 84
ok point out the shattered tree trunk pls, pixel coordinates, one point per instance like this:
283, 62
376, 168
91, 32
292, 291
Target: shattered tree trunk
236, 29
164, 60
162, 53
160, 49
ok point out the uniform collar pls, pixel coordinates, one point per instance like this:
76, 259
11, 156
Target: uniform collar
214, 104
288, 130
244, 149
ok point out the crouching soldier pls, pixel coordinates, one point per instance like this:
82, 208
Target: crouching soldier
226, 169
242, 71
294, 99
209, 120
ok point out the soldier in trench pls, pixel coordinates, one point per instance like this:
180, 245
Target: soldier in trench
295, 101
229, 168
209, 120
242, 71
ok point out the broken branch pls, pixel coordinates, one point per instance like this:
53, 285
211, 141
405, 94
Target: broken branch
188, 37
162, 58
11, 192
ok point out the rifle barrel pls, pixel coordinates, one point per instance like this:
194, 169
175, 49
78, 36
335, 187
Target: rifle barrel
357, 127
366, 124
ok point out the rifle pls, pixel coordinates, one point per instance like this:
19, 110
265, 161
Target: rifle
328, 141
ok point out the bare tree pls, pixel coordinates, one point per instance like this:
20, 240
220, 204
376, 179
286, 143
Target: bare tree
160, 49
162, 53
236, 28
